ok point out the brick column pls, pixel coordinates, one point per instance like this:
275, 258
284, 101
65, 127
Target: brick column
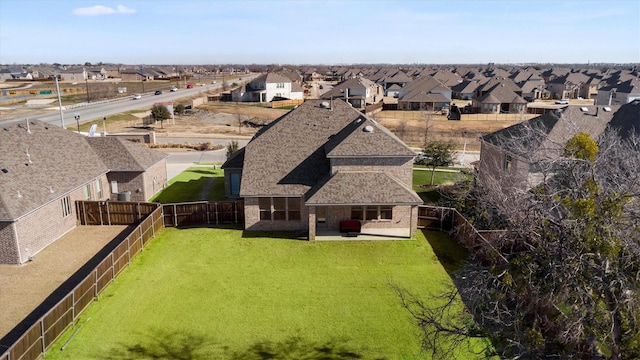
312, 223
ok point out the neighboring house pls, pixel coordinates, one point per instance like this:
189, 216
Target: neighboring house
266, 88
465, 90
569, 86
512, 157
499, 99
394, 78
74, 74
43, 170
132, 167
135, 75
425, 93
320, 164
358, 92
618, 94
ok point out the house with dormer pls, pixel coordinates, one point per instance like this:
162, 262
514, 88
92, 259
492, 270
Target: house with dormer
319, 165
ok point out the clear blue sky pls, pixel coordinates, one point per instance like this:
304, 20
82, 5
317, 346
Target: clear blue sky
315, 32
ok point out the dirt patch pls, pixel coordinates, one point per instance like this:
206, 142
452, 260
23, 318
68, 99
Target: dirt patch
24, 287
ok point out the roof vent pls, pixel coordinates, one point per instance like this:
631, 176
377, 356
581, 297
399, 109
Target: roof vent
324, 104
606, 108
584, 109
368, 129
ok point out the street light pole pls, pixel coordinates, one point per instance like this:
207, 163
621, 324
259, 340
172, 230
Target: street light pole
77, 116
104, 126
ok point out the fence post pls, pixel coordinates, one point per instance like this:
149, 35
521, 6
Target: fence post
208, 215
84, 213
41, 335
141, 240
175, 216
113, 266
235, 211
95, 283
100, 212
139, 215
108, 214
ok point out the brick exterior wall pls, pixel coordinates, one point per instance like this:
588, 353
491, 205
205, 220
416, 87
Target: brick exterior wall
8, 249
42, 227
155, 179
399, 168
491, 167
401, 218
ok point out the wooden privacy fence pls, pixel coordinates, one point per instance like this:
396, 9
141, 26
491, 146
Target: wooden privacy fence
199, 213
450, 220
112, 212
46, 330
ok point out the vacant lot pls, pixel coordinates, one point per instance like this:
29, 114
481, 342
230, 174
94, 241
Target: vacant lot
213, 293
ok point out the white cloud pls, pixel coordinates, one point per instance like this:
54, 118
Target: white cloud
102, 10
125, 10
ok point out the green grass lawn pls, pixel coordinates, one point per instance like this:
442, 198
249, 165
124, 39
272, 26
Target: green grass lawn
209, 293
188, 185
422, 179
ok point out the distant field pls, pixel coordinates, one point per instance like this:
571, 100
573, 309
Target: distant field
215, 294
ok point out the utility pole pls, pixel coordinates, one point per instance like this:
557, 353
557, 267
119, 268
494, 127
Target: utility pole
59, 101
86, 82
104, 125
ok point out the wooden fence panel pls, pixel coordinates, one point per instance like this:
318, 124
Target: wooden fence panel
84, 293
104, 274
57, 320
134, 246
120, 257
113, 212
29, 346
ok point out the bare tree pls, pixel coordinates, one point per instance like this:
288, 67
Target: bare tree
568, 287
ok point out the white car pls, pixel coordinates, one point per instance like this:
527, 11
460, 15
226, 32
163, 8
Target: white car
213, 81
562, 102
136, 97
173, 89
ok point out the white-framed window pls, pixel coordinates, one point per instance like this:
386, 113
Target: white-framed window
508, 162
114, 187
279, 208
372, 212
99, 189
86, 192
66, 206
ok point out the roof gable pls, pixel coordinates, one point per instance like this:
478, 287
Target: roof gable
123, 155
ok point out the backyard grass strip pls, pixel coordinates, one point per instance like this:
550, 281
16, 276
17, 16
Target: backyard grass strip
222, 294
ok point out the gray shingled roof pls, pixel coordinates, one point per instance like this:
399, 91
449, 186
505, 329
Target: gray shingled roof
124, 155
59, 161
362, 188
552, 130
355, 140
289, 156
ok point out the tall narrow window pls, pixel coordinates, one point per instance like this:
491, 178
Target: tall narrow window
235, 184
66, 206
87, 194
99, 189
508, 162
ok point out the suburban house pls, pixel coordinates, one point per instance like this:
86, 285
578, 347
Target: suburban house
425, 93
268, 87
73, 74
620, 93
358, 92
569, 86
135, 75
321, 165
135, 172
514, 157
45, 169
499, 99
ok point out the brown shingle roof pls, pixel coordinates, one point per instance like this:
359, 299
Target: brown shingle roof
123, 155
58, 162
363, 188
289, 157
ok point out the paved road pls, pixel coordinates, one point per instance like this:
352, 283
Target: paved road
98, 110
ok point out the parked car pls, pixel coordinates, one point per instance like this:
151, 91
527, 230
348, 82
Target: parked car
136, 97
189, 86
562, 101
213, 81
173, 89
158, 92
